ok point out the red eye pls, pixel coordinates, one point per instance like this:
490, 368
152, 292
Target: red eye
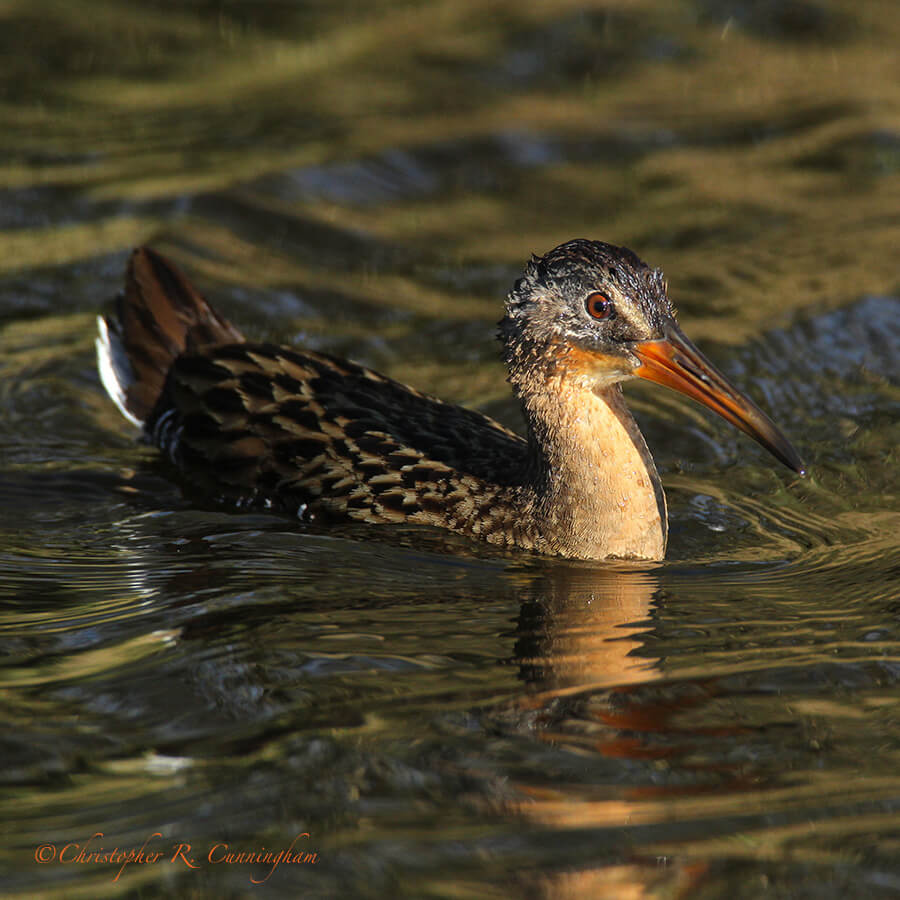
599, 306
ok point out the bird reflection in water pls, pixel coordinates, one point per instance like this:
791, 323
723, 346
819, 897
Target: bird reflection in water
583, 647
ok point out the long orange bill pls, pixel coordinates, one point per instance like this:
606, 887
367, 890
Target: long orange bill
675, 362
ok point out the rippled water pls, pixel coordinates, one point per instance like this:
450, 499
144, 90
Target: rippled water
442, 720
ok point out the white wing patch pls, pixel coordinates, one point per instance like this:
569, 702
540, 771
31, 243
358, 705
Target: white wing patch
115, 370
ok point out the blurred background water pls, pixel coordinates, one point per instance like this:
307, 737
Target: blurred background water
442, 720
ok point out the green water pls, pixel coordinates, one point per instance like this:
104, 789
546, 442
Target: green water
444, 721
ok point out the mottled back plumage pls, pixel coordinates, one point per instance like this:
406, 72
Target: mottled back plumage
258, 425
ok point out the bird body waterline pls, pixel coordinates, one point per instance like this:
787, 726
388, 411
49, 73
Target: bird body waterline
311, 435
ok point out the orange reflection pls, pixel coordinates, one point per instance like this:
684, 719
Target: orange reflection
582, 646
582, 630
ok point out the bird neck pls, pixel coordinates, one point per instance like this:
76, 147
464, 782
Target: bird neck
599, 494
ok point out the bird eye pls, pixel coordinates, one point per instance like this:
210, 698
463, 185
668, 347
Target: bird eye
599, 306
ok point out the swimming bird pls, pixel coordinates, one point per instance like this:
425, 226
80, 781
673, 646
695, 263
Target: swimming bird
318, 437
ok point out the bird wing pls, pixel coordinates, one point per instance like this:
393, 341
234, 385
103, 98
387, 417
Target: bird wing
313, 434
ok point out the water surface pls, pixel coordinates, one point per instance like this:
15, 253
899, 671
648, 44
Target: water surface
440, 719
